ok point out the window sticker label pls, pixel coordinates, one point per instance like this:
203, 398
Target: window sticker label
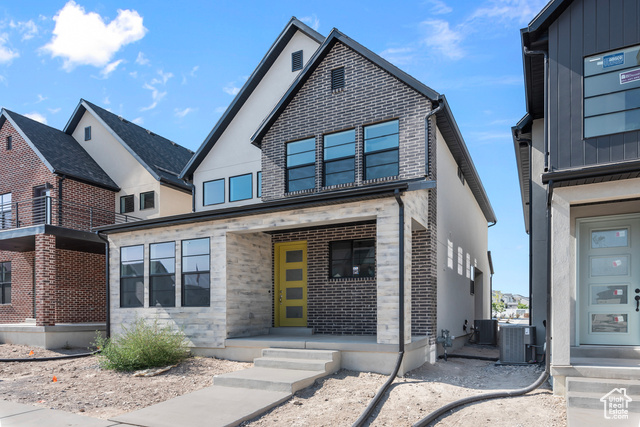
617, 263
630, 76
621, 233
613, 60
618, 319
618, 292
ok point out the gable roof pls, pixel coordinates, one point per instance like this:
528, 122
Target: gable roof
444, 117
162, 158
293, 26
58, 151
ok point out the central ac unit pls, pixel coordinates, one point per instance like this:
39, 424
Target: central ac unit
517, 344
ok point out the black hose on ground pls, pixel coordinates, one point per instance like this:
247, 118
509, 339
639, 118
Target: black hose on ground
44, 359
468, 356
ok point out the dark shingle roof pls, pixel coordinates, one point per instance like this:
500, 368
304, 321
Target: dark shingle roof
163, 158
60, 152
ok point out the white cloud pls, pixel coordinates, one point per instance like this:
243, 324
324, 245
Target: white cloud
508, 11
231, 89
6, 54
41, 98
164, 77
182, 113
3, 79
400, 55
28, 29
81, 38
311, 21
106, 101
156, 96
134, 74
444, 39
37, 117
192, 73
220, 109
110, 68
54, 110
138, 120
439, 7
141, 59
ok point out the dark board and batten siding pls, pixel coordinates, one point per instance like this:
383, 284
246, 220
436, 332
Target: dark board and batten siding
587, 27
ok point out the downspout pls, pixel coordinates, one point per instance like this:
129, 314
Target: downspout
376, 399
60, 198
193, 198
530, 202
427, 132
106, 278
546, 101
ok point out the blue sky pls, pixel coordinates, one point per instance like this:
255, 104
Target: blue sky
174, 67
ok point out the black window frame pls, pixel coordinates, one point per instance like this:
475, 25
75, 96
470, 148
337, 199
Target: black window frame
185, 273
87, 133
5, 283
289, 169
367, 155
6, 211
250, 174
143, 198
131, 276
153, 275
296, 60
338, 78
123, 203
259, 184
9, 142
351, 242
337, 159
204, 192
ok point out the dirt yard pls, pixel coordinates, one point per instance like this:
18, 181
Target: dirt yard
82, 387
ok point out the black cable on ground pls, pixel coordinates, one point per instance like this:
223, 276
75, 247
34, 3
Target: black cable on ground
44, 359
468, 356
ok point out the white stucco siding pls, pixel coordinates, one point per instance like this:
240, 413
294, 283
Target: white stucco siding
462, 238
233, 153
173, 202
119, 164
241, 269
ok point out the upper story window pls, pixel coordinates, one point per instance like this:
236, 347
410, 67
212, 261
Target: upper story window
296, 61
381, 150
612, 92
9, 142
241, 187
213, 192
132, 276
147, 200
5, 210
87, 133
259, 183
301, 165
127, 204
195, 273
5, 282
337, 78
162, 274
339, 158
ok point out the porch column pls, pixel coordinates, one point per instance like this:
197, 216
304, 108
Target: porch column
45, 268
562, 267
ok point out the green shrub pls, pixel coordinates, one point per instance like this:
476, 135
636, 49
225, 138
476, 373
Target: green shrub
142, 346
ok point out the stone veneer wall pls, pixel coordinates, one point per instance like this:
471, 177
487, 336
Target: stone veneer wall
335, 306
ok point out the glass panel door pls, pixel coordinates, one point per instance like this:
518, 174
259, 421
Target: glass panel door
291, 284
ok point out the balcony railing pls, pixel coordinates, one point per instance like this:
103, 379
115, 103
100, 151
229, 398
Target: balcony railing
62, 213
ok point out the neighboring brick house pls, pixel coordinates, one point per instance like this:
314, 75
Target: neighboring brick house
364, 191
578, 157
56, 187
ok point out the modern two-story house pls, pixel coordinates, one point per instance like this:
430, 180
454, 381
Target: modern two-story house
578, 158
335, 197
55, 188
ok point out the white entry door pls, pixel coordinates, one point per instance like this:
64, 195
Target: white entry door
609, 280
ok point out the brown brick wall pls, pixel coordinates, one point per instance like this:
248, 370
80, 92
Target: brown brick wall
370, 95
336, 306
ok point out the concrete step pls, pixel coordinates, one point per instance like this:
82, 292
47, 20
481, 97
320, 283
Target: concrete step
272, 379
604, 351
291, 330
591, 400
295, 353
602, 386
292, 363
618, 369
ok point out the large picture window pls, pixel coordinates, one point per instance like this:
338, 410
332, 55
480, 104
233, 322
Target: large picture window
339, 158
5, 210
240, 187
162, 274
132, 276
213, 192
381, 150
353, 258
5, 282
196, 283
301, 165
612, 92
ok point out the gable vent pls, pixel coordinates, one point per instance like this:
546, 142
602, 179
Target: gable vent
337, 78
296, 61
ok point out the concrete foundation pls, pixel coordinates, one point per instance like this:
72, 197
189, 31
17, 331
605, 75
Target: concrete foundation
51, 337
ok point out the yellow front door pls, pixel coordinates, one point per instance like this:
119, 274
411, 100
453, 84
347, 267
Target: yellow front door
291, 284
